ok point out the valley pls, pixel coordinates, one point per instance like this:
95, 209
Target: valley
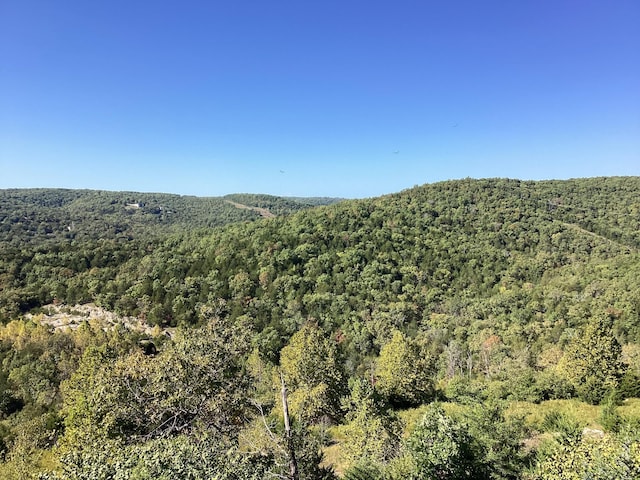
493, 320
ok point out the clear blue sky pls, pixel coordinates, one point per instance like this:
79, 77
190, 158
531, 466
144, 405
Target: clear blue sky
337, 98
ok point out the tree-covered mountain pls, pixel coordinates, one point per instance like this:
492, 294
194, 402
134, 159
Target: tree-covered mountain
416, 250
36, 215
472, 291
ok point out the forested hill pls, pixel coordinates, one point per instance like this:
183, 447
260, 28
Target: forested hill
477, 292
38, 215
400, 257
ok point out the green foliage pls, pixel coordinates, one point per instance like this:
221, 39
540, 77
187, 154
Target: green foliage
371, 430
42, 215
404, 371
307, 444
629, 385
362, 472
438, 448
609, 417
278, 205
197, 381
464, 390
313, 374
551, 384
568, 429
592, 360
491, 289
183, 457
614, 456
498, 441
473, 251
266, 435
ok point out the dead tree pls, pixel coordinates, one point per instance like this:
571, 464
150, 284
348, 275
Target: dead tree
293, 464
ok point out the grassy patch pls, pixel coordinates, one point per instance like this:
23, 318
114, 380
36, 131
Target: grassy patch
332, 456
586, 414
630, 410
411, 416
534, 414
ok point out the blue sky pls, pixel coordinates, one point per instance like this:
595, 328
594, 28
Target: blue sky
333, 98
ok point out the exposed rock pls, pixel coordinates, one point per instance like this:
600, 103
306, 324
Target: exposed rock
65, 317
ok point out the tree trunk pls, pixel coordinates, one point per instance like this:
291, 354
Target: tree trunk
293, 464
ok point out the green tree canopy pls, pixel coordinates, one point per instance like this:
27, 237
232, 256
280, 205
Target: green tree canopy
592, 360
313, 374
404, 371
438, 449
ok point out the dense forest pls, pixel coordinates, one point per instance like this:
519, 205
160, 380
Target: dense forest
481, 329
39, 214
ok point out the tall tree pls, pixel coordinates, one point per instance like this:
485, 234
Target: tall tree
372, 431
313, 373
592, 360
404, 371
